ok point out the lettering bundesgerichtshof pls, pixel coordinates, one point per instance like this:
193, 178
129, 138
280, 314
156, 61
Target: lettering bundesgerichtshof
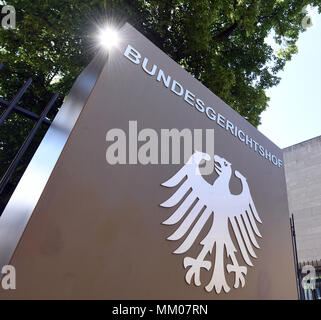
135, 57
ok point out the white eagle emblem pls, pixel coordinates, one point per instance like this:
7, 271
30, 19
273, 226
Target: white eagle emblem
204, 201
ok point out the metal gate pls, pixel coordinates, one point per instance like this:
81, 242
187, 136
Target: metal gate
12, 106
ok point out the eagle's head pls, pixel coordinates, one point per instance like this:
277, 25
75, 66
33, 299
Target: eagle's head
222, 166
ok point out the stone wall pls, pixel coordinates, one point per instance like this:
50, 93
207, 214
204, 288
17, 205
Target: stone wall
302, 164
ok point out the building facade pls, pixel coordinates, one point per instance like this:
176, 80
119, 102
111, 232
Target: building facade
302, 163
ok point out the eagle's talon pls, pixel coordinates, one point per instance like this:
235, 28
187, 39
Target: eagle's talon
240, 271
195, 269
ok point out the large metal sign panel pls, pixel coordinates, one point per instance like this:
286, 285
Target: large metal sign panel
124, 215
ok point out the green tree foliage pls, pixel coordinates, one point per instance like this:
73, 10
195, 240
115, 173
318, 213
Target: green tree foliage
221, 42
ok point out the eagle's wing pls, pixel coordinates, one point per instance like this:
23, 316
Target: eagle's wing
244, 220
198, 191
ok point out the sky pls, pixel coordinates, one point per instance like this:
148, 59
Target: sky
294, 112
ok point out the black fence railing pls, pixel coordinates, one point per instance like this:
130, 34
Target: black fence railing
295, 255
12, 106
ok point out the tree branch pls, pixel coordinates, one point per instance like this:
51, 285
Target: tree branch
226, 33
